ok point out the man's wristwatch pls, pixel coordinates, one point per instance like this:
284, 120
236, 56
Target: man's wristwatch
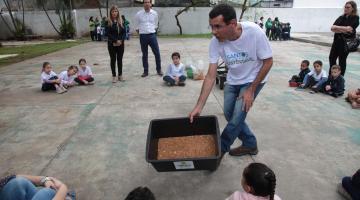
43, 180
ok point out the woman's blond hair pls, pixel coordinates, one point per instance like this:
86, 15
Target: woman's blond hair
354, 7
118, 18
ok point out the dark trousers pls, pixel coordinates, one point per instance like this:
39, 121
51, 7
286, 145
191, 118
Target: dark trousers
49, 86
268, 32
80, 82
150, 40
116, 53
338, 51
172, 81
93, 35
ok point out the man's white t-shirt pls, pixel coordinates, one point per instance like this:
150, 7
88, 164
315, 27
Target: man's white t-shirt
316, 76
244, 56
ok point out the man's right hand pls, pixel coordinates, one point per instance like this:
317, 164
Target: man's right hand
195, 112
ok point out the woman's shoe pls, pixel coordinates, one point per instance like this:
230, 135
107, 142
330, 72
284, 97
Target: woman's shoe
120, 78
114, 80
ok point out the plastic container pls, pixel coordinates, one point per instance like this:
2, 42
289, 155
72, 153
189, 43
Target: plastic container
177, 127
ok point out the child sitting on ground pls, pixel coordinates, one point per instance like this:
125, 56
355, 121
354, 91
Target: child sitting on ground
49, 79
350, 186
140, 193
85, 76
315, 78
354, 98
304, 69
335, 85
175, 74
258, 181
67, 77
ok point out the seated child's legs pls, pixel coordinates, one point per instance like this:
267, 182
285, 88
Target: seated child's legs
169, 80
48, 87
44, 193
79, 81
311, 82
182, 78
89, 79
295, 78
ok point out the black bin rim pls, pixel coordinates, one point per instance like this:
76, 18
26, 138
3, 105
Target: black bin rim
184, 159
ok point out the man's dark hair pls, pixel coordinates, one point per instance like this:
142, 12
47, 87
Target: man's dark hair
227, 11
140, 193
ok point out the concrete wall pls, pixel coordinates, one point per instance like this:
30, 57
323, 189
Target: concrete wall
321, 3
193, 22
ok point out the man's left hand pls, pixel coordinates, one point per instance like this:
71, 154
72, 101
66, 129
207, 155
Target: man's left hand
248, 99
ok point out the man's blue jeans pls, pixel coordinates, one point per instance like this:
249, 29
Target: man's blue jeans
150, 40
23, 189
234, 114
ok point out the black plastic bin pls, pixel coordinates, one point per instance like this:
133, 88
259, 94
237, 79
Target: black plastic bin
177, 127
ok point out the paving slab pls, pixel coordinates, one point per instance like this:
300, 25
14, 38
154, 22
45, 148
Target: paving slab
93, 137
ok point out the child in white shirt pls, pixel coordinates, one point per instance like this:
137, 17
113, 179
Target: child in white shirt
175, 74
67, 77
315, 78
85, 75
258, 182
49, 80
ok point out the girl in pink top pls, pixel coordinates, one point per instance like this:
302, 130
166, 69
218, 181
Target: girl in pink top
258, 182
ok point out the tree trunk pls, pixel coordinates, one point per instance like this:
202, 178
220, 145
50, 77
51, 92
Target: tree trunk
8, 6
107, 8
178, 23
7, 25
23, 12
51, 22
99, 3
180, 12
243, 9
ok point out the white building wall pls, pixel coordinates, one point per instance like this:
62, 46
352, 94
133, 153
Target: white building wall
321, 3
193, 22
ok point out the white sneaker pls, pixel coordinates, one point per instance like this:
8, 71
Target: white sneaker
59, 90
121, 78
114, 80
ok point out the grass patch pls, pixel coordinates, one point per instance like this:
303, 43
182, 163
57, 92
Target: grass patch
30, 51
205, 35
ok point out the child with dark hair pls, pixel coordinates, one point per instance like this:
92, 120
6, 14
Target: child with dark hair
315, 78
49, 79
350, 186
354, 98
85, 76
67, 77
258, 182
335, 85
175, 74
304, 69
140, 193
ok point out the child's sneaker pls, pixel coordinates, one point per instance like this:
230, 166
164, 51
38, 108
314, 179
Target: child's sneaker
63, 88
59, 90
343, 192
181, 83
91, 83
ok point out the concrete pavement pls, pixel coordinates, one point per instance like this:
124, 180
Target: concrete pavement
93, 138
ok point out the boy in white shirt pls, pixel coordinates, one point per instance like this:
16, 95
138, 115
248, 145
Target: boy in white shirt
315, 78
67, 77
175, 74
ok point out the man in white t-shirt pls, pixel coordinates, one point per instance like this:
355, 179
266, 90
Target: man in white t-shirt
248, 56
